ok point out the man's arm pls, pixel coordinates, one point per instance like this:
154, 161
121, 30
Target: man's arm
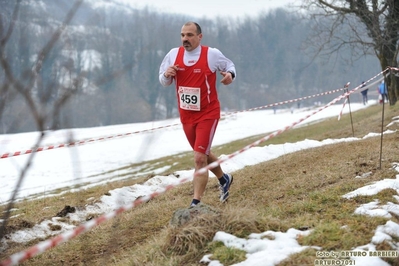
165, 77
162, 78
218, 62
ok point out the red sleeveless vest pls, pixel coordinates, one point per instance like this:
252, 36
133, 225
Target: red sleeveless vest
196, 89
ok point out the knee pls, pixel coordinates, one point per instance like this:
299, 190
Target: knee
200, 159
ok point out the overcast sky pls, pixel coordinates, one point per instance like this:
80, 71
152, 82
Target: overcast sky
211, 8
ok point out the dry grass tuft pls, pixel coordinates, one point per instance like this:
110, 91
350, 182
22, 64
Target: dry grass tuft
240, 221
196, 234
193, 236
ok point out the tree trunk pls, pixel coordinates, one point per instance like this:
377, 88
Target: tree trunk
387, 55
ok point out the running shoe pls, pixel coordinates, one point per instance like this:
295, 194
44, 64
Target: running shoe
224, 190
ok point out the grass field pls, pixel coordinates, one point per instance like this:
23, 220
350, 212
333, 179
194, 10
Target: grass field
297, 190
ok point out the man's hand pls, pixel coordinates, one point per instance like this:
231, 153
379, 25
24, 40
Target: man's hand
227, 78
171, 71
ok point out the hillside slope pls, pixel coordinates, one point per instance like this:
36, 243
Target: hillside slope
301, 190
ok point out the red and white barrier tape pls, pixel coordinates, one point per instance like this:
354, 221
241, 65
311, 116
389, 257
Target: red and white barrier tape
77, 143
82, 142
274, 134
288, 101
357, 88
256, 143
45, 245
55, 241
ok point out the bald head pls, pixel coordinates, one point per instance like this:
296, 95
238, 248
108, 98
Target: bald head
191, 35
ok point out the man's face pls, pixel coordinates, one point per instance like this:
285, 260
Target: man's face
189, 37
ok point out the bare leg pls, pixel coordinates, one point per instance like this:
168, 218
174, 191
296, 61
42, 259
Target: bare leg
200, 180
217, 171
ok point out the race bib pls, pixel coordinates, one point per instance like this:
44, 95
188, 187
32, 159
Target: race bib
190, 98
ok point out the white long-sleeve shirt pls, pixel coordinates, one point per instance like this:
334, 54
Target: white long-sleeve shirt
216, 61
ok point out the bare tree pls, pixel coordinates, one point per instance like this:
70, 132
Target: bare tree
364, 25
32, 89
